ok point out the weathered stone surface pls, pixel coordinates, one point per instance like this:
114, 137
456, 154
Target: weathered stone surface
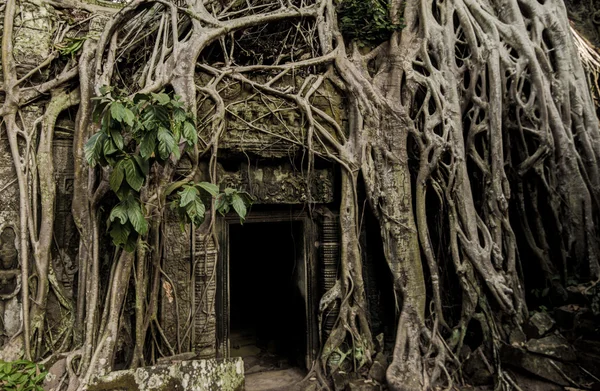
531, 383
542, 366
341, 379
517, 337
538, 325
200, 375
33, 35
176, 283
52, 382
553, 346
565, 315
12, 350
362, 385
279, 183
178, 357
476, 369
13, 316
590, 362
377, 371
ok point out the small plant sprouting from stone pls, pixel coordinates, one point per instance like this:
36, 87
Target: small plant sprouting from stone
366, 21
21, 375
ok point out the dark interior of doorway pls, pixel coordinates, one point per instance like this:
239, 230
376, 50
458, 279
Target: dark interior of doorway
267, 311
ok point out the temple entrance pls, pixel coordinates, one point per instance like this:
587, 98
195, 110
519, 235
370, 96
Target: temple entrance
265, 291
267, 310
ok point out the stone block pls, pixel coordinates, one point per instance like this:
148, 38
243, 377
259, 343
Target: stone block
377, 371
198, 375
542, 366
341, 379
538, 325
53, 380
553, 346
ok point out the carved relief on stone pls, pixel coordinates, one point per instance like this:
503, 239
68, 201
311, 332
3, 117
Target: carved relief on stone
188, 290
176, 290
275, 127
205, 288
279, 183
64, 254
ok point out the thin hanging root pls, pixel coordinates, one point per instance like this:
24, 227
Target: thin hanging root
589, 56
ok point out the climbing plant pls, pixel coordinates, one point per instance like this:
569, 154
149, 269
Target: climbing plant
136, 133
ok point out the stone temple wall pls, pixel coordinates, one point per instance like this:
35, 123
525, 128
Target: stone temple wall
261, 153
267, 166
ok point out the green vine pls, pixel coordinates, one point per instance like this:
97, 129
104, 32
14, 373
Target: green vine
135, 134
366, 21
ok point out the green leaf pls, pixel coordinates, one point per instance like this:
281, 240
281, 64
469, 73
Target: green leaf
210, 188
39, 378
166, 143
143, 165
93, 147
117, 137
161, 98
119, 212
136, 218
130, 244
189, 133
119, 233
105, 90
140, 98
195, 211
109, 147
162, 115
128, 116
176, 131
221, 204
187, 195
116, 177
148, 145
132, 174
7, 368
239, 206
117, 111
179, 115
176, 152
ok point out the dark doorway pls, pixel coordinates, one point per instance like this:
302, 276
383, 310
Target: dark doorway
266, 285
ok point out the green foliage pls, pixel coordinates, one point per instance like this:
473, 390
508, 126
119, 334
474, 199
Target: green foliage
135, 134
367, 21
239, 200
190, 200
70, 46
21, 375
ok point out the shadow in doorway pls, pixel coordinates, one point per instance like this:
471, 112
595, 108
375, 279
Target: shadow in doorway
267, 310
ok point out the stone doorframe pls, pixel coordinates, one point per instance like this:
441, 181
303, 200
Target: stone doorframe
309, 255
